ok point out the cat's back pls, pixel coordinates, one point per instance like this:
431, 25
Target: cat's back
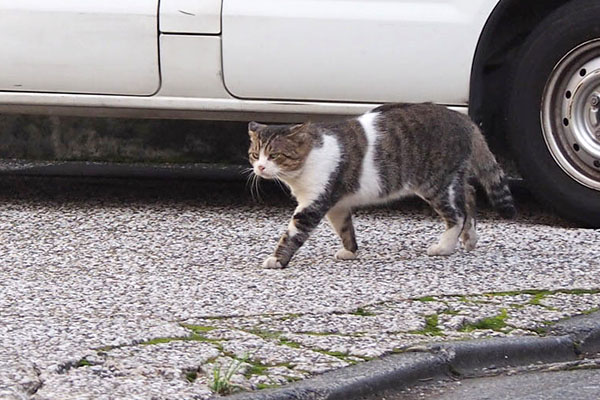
426, 117
423, 126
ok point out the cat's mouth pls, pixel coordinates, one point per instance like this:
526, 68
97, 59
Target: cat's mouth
264, 174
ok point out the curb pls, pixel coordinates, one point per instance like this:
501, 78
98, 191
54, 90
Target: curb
584, 329
215, 172
570, 339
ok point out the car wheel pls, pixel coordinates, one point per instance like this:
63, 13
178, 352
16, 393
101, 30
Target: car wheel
553, 115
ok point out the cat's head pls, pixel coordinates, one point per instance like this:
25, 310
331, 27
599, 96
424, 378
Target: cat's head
278, 151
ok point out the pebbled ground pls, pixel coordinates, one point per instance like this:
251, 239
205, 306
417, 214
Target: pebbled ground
127, 289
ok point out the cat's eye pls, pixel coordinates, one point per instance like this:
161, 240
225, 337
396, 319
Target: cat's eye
253, 155
275, 156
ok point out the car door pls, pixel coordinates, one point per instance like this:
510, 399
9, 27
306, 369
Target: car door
79, 46
351, 50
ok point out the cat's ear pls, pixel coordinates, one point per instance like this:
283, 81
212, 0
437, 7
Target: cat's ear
298, 130
254, 128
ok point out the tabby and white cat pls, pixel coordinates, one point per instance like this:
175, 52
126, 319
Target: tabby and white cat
390, 152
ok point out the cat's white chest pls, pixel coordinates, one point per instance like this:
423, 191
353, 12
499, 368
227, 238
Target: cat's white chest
320, 164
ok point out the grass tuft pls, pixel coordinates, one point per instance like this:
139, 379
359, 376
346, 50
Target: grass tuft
221, 382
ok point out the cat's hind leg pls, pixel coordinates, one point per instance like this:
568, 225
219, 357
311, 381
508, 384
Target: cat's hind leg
469, 235
340, 219
450, 205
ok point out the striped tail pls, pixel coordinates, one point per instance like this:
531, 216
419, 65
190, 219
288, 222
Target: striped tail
491, 177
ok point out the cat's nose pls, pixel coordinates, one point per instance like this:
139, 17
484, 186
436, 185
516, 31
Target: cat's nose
261, 168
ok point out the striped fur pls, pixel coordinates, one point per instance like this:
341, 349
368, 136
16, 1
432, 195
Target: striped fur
390, 152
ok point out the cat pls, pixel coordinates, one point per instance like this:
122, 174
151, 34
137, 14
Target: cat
392, 151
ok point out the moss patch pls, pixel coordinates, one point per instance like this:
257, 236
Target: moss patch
537, 299
255, 369
83, 363
198, 328
191, 376
161, 340
290, 316
591, 310
194, 337
425, 299
496, 323
536, 292
361, 312
431, 327
322, 334
450, 311
265, 334
262, 386
289, 343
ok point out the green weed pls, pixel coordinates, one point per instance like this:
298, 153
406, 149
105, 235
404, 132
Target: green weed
221, 382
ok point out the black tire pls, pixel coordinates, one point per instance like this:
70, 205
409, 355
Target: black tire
556, 36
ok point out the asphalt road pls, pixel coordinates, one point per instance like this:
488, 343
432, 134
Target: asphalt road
557, 385
101, 280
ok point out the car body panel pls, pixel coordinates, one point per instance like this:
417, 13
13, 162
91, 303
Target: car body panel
191, 67
108, 56
79, 46
352, 50
190, 16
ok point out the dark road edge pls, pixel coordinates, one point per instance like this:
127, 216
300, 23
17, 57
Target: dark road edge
569, 340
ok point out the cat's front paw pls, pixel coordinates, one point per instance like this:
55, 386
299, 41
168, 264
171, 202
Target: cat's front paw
470, 241
272, 263
440, 250
343, 254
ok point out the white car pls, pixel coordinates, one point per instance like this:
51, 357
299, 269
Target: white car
527, 71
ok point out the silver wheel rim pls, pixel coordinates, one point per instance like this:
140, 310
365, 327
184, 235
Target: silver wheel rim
570, 114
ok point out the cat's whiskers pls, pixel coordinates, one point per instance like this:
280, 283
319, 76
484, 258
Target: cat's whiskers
253, 182
247, 171
279, 182
284, 176
255, 188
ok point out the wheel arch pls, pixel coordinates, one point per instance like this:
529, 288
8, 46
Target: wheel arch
508, 25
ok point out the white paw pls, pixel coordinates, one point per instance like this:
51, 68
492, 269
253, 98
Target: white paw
343, 254
440, 250
471, 242
272, 263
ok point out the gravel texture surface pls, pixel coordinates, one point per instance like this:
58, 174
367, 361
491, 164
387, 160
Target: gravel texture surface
144, 289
